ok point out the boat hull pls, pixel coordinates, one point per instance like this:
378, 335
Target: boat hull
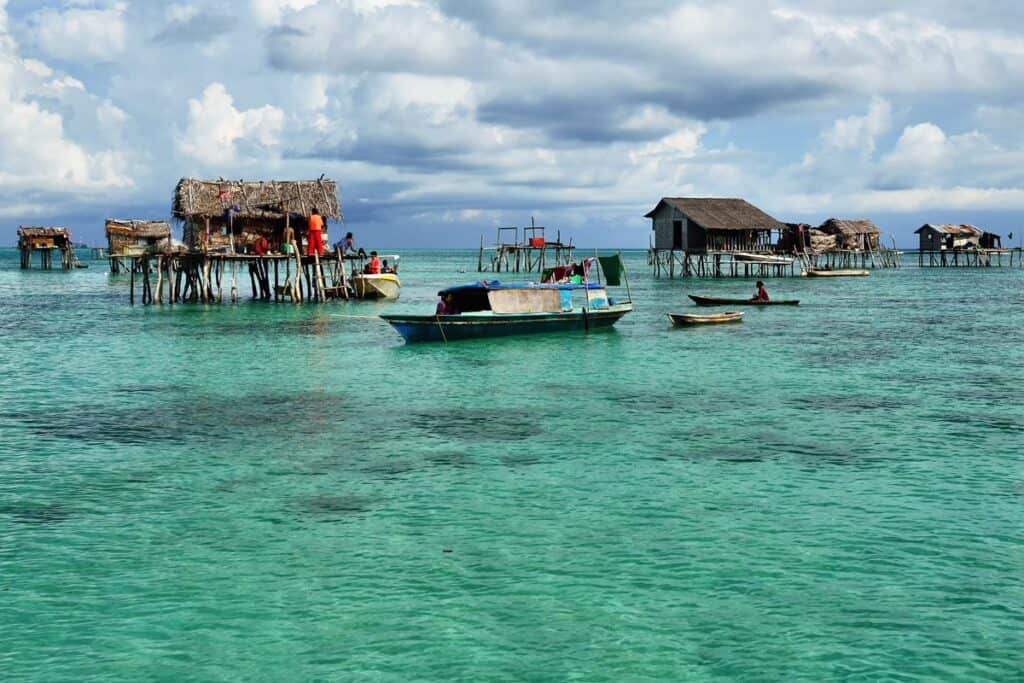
445, 328
719, 301
763, 259
838, 273
688, 319
383, 286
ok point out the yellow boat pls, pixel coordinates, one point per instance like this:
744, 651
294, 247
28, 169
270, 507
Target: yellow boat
376, 286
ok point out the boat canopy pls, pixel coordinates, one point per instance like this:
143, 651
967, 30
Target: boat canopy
491, 285
521, 296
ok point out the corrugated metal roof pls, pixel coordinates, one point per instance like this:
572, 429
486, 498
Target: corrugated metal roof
961, 230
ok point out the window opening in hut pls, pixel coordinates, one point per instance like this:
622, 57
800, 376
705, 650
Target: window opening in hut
677, 234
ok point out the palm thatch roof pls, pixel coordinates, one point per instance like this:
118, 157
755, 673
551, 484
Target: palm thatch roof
256, 201
30, 232
849, 228
140, 229
721, 213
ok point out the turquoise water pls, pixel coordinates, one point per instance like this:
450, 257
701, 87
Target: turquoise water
272, 492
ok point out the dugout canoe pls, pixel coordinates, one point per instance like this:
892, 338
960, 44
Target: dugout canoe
721, 301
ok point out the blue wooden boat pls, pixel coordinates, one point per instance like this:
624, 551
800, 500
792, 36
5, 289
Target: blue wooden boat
496, 309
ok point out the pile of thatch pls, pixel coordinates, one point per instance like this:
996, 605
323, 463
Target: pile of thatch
254, 203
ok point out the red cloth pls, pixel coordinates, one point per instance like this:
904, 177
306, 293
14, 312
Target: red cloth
315, 242
261, 247
762, 294
374, 267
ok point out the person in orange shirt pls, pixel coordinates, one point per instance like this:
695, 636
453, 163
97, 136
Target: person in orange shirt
373, 267
315, 238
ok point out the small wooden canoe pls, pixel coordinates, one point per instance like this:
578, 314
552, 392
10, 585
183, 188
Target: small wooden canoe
719, 301
708, 319
838, 273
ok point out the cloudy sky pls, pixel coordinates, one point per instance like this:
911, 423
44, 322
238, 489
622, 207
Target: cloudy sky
443, 119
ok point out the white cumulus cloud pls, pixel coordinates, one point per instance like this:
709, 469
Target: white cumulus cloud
216, 128
81, 34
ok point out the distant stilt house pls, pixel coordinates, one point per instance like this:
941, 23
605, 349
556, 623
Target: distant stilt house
46, 241
713, 237
960, 245
135, 238
230, 215
853, 235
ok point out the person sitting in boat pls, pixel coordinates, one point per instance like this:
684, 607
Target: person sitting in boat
761, 294
384, 267
373, 267
446, 306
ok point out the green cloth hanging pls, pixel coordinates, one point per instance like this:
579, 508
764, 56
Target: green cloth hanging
612, 267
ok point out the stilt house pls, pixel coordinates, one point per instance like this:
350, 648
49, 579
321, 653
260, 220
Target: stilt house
230, 215
852, 235
46, 241
701, 225
134, 238
949, 237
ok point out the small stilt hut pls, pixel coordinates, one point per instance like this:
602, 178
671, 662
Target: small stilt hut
960, 245
134, 238
46, 241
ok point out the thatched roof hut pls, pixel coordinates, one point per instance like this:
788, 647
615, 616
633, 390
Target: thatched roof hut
861, 234
250, 208
702, 223
43, 238
124, 234
45, 241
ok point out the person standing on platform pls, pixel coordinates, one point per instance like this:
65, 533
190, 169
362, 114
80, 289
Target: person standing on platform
315, 238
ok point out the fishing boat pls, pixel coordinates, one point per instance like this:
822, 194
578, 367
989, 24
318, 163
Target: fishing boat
721, 301
762, 258
685, 319
497, 309
838, 273
383, 285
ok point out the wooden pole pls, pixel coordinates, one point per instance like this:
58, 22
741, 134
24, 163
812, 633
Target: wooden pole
298, 273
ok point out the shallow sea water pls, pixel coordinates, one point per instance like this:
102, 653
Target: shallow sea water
278, 492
